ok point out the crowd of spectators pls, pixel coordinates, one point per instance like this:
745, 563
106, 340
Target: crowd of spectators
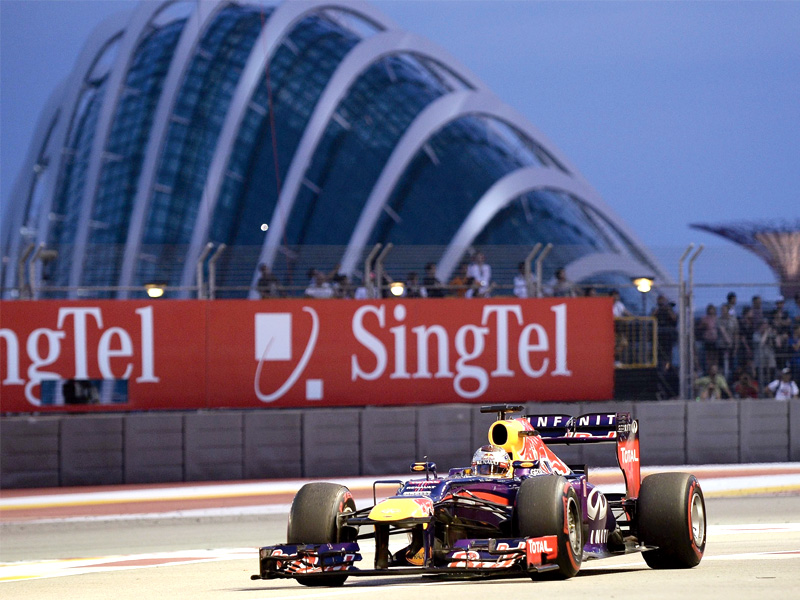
757, 350
747, 354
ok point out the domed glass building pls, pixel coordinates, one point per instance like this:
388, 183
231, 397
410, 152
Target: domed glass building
185, 125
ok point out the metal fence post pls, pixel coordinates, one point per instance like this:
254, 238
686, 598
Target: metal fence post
528, 274
690, 323
539, 262
369, 285
212, 271
683, 349
201, 293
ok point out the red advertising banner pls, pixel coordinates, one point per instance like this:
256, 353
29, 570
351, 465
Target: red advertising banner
141, 355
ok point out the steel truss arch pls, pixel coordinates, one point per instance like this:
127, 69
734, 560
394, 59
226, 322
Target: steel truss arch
435, 117
190, 38
280, 24
510, 187
62, 106
134, 31
361, 57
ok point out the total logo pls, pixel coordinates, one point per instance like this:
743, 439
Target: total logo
273, 335
539, 546
629, 456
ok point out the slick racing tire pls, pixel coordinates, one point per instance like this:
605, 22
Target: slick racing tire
314, 519
672, 515
547, 505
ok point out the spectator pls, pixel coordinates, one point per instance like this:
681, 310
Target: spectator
413, 289
618, 309
482, 273
758, 312
667, 322
458, 284
562, 286
728, 337
793, 307
708, 334
713, 386
730, 305
319, 287
764, 351
783, 388
342, 288
746, 332
432, 286
782, 325
745, 387
521, 283
267, 284
794, 346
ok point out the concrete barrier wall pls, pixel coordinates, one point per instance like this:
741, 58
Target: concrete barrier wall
65, 450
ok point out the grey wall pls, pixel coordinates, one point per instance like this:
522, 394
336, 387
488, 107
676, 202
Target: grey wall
48, 451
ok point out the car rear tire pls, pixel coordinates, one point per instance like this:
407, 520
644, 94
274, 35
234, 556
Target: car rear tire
547, 505
314, 519
672, 515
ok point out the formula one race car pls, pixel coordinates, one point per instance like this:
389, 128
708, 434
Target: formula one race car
518, 509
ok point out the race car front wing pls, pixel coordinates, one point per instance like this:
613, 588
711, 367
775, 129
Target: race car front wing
480, 557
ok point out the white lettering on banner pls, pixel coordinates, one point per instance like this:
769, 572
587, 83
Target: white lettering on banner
114, 342
469, 380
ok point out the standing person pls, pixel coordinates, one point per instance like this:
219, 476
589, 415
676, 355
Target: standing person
619, 309
708, 333
521, 283
713, 386
745, 387
481, 272
562, 287
432, 286
783, 388
728, 326
667, 322
730, 305
764, 351
413, 289
746, 331
458, 284
758, 312
267, 284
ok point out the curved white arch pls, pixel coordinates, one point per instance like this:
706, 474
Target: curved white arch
134, 31
280, 24
603, 262
505, 191
190, 37
360, 58
63, 101
432, 119
17, 212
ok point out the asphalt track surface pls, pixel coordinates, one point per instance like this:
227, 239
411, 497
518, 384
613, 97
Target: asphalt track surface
200, 541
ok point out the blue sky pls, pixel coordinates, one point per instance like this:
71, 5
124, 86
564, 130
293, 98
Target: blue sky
676, 112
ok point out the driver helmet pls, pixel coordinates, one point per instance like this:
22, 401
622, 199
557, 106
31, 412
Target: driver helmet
491, 461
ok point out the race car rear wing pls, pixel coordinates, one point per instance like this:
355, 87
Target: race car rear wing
619, 428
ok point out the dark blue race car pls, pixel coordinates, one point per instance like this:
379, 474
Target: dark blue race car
517, 509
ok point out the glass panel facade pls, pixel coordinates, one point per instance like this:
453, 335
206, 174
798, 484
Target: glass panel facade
197, 118
298, 73
67, 205
124, 154
445, 180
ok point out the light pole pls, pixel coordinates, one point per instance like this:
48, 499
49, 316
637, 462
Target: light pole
644, 285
